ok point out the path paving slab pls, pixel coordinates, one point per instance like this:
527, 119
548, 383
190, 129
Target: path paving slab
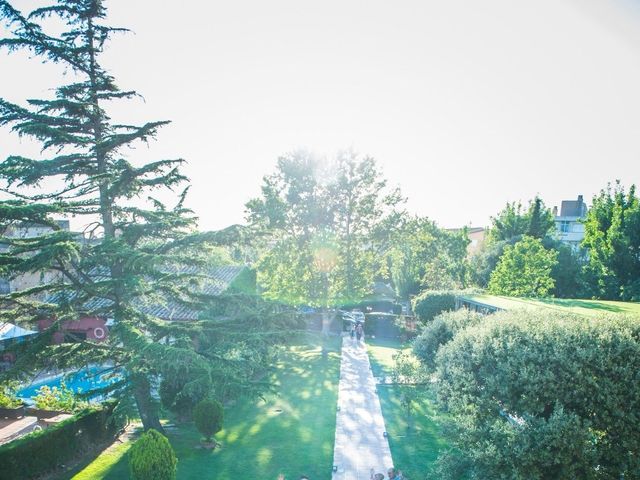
360, 443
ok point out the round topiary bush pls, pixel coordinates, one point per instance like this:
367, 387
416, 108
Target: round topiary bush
152, 458
208, 416
431, 303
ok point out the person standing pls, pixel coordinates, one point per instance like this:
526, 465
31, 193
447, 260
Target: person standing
393, 475
359, 332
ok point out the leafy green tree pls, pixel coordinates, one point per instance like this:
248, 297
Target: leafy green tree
568, 272
542, 395
152, 458
423, 256
513, 221
509, 222
322, 221
136, 252
524, 270
612, 237
208, 416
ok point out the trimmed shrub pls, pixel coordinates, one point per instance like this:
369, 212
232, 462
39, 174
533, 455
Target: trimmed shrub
440, 331
541, 395
152, 458
431, 303
44, 451
208, 416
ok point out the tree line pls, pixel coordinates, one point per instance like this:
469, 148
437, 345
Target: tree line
523, 255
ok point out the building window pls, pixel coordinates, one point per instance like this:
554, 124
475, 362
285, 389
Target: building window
564, 226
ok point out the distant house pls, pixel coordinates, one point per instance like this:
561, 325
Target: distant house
29, 280
569, 226
477, 236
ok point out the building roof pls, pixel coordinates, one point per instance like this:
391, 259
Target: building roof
9, 330
215, 281
573, 208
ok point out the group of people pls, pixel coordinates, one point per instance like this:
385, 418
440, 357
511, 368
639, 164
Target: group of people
356, 333
392, 473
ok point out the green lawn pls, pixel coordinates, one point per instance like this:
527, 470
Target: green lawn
291, 433
413, 450
582, 307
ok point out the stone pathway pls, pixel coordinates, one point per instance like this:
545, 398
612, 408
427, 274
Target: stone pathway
360, 443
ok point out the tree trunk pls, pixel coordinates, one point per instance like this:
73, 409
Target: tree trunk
147, 406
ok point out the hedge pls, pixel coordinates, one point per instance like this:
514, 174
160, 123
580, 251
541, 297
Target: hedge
431, 303
441, 331
541, 395
46, 450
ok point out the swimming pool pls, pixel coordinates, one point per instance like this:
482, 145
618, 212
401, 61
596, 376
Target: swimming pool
82, 381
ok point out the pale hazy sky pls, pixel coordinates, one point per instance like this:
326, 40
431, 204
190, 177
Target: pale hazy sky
465, 105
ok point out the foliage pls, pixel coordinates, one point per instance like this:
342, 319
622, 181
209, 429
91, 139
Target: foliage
423, 256
567, 273
152, 458
431, 303
324, 225
512, 221
138, 258
44, 451
484, 261
407, 373
540, 219
173, 399
61, 399
612, 236
8, 398
539, 395
524, 270
441, 331
208, 416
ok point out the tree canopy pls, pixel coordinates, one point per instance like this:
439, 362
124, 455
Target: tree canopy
524, 270
135, 253
612, 235
327, 224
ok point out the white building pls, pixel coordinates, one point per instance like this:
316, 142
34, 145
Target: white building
569, 226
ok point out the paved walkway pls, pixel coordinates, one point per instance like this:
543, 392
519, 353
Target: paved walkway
360, 444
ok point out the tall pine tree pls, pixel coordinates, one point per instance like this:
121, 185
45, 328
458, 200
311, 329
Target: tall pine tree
137, 252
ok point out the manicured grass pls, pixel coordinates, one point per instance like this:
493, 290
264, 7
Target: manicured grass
109, 464
414, 450
582, 307
290, 433
381, 352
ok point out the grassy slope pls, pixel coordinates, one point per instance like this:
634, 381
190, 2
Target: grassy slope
582, 307
413, 450
258, 440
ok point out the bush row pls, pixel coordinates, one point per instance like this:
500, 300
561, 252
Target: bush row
43, 451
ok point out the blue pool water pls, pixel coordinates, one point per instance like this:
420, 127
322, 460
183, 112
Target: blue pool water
82, 381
